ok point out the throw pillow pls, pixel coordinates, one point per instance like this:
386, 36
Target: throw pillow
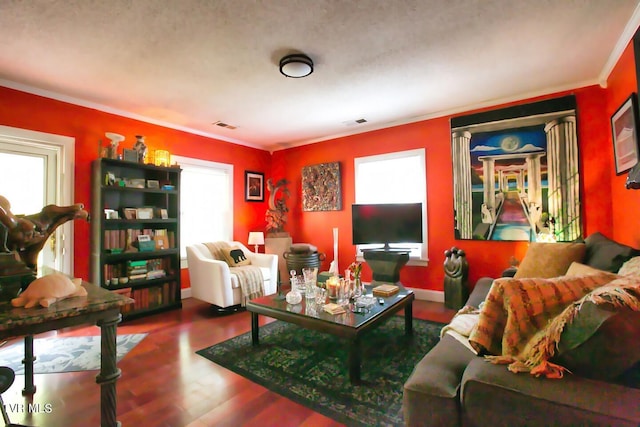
546, 260
235, 257
606, 254
630, 268
601, 340
579, 269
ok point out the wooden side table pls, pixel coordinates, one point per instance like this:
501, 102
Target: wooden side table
100, 307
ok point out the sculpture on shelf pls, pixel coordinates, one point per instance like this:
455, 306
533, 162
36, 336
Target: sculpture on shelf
26, 235
141, 148
276, 215
456, 269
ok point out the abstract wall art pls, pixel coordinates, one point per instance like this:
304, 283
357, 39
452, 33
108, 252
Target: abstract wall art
321, 187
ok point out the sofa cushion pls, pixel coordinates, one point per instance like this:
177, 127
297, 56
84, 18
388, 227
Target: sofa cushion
606, 254
545, 260
579, 269
630, 267
431, 393
480, 291
493, 396
600, 341
235, 256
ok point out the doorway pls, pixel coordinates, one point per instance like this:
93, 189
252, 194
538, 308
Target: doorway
35, 170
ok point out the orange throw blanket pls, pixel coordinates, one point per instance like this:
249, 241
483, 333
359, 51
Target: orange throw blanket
522, 319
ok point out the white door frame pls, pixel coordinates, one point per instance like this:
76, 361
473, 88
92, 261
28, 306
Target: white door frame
65, 146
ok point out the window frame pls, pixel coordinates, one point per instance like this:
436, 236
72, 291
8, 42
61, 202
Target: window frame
186, 163
423, 259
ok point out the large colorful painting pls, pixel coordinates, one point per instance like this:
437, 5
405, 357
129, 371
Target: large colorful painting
515, 173
321, 187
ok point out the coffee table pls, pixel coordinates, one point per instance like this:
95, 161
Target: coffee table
351, 326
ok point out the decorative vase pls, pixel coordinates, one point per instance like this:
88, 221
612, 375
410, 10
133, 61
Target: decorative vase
358, 289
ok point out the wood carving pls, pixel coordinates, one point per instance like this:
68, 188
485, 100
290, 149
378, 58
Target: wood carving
26, 235
456, 271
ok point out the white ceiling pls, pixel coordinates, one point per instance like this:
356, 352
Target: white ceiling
190, 63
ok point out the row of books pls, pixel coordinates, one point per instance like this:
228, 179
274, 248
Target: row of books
137, 270
126, 240
148, 298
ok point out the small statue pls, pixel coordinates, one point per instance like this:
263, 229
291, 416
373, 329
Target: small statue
456, 269
276, 216
141, 148
27, 235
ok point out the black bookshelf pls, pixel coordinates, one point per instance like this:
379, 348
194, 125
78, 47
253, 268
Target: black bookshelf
131, 200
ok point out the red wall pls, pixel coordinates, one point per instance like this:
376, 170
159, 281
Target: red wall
485, 258
87, 126
600, 184
622, 82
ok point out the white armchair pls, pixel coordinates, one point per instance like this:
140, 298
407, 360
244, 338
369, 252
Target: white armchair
213, 281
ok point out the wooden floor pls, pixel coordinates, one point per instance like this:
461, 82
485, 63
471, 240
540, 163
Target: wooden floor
164, 383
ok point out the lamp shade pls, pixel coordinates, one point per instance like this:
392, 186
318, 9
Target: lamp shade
256, 238
296, 66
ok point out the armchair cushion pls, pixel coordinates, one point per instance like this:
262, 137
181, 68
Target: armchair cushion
235, 257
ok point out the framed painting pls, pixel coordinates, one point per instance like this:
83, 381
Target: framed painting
516, 173
321, 187
624, 127
253, 186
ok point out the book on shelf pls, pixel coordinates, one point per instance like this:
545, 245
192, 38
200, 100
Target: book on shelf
386, 290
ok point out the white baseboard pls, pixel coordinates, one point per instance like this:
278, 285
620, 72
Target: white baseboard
428, 295
185, 293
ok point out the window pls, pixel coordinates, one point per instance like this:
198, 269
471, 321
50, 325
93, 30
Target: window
398, 177
206, 202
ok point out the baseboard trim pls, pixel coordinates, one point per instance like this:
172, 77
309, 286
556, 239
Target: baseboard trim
185, 293
428, 295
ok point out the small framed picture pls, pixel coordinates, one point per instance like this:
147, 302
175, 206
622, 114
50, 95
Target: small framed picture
144, 213
254, 186
111, 214
130, 213
130, 155
164, 214
152, 183
624, 126
135, 183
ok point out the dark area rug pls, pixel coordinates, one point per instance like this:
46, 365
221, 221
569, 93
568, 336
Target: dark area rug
310, 368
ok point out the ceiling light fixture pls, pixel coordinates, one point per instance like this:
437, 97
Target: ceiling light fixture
296, 65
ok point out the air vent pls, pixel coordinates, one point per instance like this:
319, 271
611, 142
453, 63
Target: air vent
355, 122
224, 125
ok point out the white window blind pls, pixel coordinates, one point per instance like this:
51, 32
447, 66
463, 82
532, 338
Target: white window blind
206, 202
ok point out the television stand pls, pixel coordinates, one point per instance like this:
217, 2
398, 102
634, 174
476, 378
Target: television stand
386, 263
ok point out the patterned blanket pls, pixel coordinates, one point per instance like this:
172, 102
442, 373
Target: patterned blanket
522, 319
249, 276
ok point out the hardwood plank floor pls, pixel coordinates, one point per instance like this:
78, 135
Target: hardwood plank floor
165, 383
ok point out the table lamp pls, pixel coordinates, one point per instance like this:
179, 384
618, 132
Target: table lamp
256, 238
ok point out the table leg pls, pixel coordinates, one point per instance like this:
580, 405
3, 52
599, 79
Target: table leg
109, 372
255, 339
354, 361
408, 319
29, 386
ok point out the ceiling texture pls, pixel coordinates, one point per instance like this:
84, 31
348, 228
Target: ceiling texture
189, 64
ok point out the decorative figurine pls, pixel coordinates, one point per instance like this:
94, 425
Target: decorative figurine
141, 148
27, 235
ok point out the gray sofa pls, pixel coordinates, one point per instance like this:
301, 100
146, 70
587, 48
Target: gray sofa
451, 386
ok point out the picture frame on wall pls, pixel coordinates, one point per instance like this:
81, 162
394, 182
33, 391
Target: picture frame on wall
254, 186
624, 129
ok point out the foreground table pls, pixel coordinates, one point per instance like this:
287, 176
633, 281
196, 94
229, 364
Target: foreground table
100, 307
349, 325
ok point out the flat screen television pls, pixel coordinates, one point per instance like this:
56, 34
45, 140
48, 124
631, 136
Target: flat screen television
386, 223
